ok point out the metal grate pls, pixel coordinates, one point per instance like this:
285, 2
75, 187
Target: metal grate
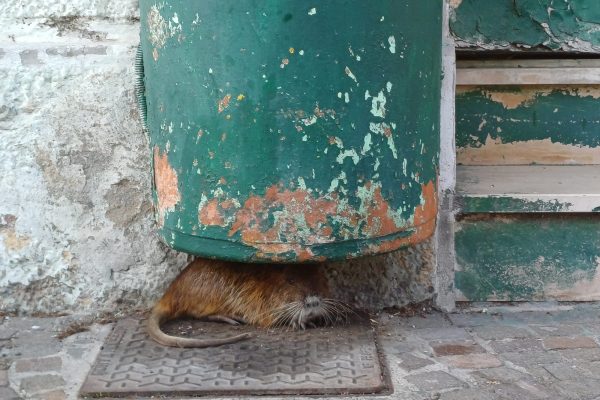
338, 360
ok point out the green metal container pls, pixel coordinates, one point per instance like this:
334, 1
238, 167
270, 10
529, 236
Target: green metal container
291, 131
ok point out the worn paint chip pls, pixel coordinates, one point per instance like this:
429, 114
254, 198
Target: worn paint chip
166, 182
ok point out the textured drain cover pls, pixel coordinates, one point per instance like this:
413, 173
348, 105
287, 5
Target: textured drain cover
335, 360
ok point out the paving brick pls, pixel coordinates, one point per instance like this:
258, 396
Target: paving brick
500, 332
433, 381
561, 342
3, 377
540, 374
516, 345
507, 391
582, 388
411, 363
7, 334
532, 358
500, 374
470, 320
469, 394
473, 361
557, 330
7, 393
54, 395
435, 334
456, 348
565, 372
39, 383
581, 354
435, 320
38, 364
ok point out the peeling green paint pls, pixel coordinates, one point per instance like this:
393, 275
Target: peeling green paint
564, 115
506, 204
549, 24
535, 258
269, 123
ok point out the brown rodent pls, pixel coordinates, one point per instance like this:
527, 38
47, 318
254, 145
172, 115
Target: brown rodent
264, 295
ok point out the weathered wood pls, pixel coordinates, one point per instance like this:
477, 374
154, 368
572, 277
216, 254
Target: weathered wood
541, 257
532, 188
528, 76
528, 125
527, 25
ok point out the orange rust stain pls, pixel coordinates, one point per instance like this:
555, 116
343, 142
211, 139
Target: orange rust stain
224, 103
424, 223
165, 180
302, 220
210, 214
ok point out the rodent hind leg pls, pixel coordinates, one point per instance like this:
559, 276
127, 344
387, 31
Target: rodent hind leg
227, 320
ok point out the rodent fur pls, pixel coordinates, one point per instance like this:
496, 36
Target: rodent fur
264, 295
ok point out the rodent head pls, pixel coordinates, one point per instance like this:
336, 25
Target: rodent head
304, 297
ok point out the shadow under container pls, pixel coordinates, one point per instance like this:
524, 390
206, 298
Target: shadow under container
291, 131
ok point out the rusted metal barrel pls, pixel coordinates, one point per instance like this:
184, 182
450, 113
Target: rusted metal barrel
291, 131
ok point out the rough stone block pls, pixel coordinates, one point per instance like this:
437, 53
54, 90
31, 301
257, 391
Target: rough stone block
581, 354
561, 342
568, 371
500, 332
507, 391
54, 395
469, 394
3, 377
436, 380
473, 361
533, 358
558, 330
516, 345
500, 374
38, 364
435, 334
7, 393
39, 383
411, 363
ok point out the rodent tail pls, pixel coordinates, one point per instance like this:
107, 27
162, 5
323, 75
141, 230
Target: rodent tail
153, 325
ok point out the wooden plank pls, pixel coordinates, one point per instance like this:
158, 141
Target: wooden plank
528, 188
528, 76
533, 257
507, 125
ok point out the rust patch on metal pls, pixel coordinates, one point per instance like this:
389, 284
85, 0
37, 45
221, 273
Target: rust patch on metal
424, 223
210, 214
284, 221
224, 103
165, 180
494, 152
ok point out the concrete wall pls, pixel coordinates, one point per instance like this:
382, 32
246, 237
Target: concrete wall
76, 222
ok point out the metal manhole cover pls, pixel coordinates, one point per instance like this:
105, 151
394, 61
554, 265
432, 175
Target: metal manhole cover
338, 360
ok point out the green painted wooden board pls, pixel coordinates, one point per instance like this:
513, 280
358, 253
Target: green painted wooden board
570, 25
528, 258
528, 125
288, 131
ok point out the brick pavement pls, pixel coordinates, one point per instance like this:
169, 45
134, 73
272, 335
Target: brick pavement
537, 351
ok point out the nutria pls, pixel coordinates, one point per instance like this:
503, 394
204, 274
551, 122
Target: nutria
264, 295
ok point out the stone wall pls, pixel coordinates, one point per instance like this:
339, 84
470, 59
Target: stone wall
76, 221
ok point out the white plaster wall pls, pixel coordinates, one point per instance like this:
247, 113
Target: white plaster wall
76, 222
75, 217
